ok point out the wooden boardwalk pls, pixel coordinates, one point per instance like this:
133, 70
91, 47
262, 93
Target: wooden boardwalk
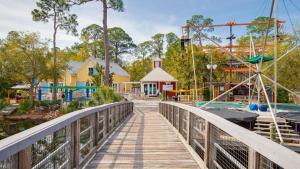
144, 141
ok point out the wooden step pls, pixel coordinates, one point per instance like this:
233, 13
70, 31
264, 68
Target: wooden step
279, 125
283, 134
268, 129
268, 122
267, 119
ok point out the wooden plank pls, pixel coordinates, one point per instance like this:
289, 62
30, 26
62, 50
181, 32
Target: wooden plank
145, 141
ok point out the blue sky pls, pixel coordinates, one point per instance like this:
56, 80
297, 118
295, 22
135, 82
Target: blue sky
143, 18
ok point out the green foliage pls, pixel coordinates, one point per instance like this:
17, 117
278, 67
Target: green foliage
260, 30
72, 106
171, 38
92, 103
47, 103
25, 58
57, 11
158, 44
105, 95
200, 20
24, 107
139, 68
120, 43
3, 103
206, 94
92, 37
283, 96
97, 77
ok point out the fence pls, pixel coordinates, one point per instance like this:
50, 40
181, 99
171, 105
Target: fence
69, 141
220, 144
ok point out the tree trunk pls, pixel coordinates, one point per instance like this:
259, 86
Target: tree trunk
106, 43
144, 70
116, 53
31, 93
54, 94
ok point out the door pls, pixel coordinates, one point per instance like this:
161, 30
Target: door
150, 89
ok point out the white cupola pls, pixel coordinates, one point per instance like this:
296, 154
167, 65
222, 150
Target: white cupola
157, 62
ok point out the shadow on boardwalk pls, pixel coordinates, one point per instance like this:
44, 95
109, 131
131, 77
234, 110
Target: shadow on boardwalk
145, 140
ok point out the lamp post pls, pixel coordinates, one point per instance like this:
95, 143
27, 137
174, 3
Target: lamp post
211, 67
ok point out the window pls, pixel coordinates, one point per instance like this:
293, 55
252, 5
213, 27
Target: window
91, 71
51, 85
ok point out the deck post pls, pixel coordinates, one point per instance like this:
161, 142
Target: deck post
207, 143
95, 127
188, 126
252, 156
75, 140
106, 123
15, 161
25, 158
178, 121
212, 152
172, 117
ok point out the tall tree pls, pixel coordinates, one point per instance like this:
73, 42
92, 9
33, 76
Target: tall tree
260, 30
58, 12
158, 44
121, 43
143, 51
25, 58
200, 20
171, 38
92, 35
116, 5
139, 68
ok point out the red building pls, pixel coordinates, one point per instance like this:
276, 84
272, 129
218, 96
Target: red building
158, 81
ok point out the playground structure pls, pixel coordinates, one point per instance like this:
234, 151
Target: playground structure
67, 93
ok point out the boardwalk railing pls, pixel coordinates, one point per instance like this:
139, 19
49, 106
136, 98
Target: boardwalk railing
66, 142
220, 144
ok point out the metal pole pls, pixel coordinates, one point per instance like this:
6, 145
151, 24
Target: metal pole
284, 55
231, 57
194, 68
210, 77
272, 112
278, 84
275, 56
249, 73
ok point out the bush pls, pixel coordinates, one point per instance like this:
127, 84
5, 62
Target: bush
3, 103
206, 94
24, 107
106, 94
73, 106
283, 96
92, 103
47, 103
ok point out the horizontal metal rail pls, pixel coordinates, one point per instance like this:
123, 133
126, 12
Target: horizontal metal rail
224, 144
60, 143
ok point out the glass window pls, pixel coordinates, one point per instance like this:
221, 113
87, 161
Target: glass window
91, 71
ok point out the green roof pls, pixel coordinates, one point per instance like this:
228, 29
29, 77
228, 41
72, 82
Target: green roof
257, 59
